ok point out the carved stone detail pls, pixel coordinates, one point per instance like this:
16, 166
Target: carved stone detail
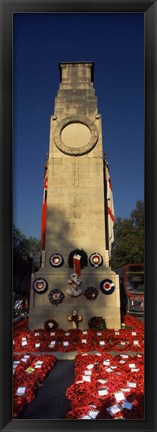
75, 151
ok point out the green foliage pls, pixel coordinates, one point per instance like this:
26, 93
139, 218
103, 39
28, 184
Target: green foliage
26, 248
128, 247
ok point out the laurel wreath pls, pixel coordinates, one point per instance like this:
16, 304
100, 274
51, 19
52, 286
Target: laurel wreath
97, 323
56, 296
83, 259
50, 324
91, 293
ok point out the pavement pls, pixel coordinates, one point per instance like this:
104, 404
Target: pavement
50, 401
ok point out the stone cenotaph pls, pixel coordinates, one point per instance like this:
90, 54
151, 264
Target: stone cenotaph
76, 212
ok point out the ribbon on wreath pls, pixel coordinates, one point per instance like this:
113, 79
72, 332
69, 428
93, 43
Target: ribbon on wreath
76, 264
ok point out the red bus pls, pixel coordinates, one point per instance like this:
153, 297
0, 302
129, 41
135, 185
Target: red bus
131, 277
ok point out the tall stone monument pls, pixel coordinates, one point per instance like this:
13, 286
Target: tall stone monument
76, 216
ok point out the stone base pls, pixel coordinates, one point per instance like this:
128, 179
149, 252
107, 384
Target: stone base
106, 306
39, 315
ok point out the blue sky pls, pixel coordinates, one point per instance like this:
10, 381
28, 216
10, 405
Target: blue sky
115, 43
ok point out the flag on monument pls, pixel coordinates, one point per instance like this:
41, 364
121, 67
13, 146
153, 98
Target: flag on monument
110, 210
76, 264
44, 205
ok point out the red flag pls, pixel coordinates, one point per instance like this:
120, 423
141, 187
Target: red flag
76, 264
44, 205
110, 209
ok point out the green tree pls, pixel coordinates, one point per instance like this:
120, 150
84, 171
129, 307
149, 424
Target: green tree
26, 259
27, 247
128, 247
137, 217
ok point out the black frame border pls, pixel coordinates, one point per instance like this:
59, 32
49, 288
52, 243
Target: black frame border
149, 8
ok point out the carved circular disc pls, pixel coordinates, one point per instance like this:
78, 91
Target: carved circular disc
75, 135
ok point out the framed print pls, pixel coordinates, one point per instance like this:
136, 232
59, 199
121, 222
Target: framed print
90, 54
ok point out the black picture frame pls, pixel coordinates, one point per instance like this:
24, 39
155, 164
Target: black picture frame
149, 8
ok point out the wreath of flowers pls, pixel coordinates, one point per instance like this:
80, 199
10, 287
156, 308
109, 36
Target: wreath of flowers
110, 386
83, 341
50, 324
56, 296
95, 259
98, 323
83, 259
91, 293
29, 372
40, 286
107, 286
56, 260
